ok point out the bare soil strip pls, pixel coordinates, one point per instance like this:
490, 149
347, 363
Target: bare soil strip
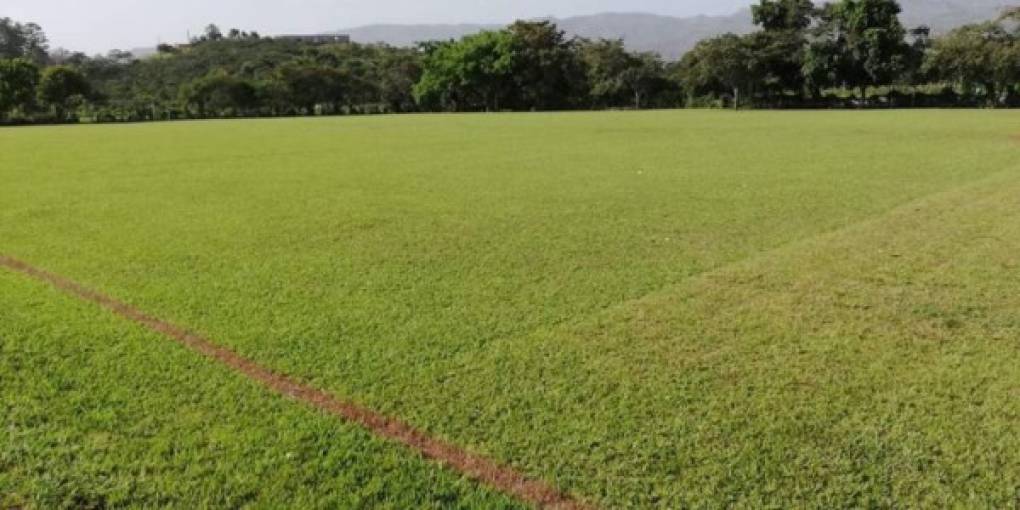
479, 468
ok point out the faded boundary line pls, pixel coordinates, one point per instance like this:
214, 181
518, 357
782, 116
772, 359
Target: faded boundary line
479, 468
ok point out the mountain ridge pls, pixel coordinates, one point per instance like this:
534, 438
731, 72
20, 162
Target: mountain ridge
672, 36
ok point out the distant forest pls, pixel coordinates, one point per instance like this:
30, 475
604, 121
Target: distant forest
845, 54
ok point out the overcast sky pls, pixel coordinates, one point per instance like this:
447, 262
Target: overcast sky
96, 26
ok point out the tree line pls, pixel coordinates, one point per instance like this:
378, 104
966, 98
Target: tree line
847, 53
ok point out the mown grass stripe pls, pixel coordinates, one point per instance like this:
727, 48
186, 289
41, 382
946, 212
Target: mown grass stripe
476, 467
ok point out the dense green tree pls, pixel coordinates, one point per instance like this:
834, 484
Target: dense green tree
779, 48
547, 72
798, 56
528, 65
777, 59
18, 81
221, 94
864, 43
606, 61
60, 87
355, 80
645, 78
983, 56
919, 40
823, 65
617, 77
337, 77
398, 72
475, 73
723, 64
783, 15
309, 85
23, 40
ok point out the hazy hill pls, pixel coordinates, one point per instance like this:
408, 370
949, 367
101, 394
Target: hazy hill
667, 35
407, 35
672, 36
947, 14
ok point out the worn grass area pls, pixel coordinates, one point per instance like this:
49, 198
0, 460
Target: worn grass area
647, 309
100, 414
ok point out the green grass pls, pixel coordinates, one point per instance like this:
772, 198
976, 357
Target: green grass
101, 414
647, 309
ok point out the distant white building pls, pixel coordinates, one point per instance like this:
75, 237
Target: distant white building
316, 38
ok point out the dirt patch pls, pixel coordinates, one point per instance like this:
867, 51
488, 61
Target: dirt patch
477, 467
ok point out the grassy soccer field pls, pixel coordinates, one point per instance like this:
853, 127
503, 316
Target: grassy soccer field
660, 309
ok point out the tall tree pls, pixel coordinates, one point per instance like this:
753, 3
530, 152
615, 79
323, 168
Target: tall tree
475, 73
779, 48
308, 85
398, 72
213, 32
546, 69
608, 66
869, 40
983, 56
645, 78
221, 94
776, 62
23, 40
18, 80
783, 15
723, 64
60, 87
